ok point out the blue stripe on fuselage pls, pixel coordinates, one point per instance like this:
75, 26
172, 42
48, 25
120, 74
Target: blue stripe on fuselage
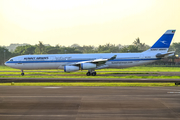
54, 61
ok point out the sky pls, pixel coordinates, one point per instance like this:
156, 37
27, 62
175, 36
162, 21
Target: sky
87, 22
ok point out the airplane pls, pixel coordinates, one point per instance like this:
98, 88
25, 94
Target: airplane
94, 61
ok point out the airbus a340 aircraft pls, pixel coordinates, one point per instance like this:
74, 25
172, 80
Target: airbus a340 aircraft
91, 62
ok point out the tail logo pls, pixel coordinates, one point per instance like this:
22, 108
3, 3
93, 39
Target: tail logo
164, 42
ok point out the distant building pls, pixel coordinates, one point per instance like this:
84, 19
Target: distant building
177, 61
13, 46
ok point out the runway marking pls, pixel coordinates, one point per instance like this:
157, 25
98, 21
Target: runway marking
53, 87
174, 92
36, 115
36, 96
83, 96
80, 115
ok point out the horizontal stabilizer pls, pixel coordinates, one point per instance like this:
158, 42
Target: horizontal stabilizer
159, 55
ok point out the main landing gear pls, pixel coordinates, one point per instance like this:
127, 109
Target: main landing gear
22, 73
90, 72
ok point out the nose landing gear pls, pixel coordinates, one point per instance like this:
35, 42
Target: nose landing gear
22, 73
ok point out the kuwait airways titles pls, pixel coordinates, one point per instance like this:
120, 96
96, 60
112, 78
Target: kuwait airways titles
35, 58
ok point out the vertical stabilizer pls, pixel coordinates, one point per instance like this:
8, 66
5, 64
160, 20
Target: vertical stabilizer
163, 43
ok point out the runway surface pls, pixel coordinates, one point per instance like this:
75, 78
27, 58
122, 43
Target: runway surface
29, 80
89, 103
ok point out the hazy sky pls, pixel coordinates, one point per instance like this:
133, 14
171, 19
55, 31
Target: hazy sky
87, 22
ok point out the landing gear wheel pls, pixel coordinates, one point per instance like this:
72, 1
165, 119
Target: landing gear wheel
88, 73
93, 73
22, 74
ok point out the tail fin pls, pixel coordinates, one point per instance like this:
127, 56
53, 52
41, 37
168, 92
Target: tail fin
163, 43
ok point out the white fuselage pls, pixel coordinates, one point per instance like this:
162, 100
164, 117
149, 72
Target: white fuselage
58, 61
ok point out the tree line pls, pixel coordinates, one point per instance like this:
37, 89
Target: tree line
40, 48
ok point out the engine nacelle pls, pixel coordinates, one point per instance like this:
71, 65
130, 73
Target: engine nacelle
86, 66
71, 68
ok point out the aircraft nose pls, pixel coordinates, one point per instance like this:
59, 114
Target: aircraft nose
6, 63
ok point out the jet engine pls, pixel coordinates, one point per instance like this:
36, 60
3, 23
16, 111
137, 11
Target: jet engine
71, 68
86, 66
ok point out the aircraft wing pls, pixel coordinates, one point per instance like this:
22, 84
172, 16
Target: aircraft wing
95, 61
159, 55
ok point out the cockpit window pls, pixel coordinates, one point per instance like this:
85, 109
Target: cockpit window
11, 59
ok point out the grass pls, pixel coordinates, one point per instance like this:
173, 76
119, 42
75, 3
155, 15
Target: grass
129, 76
97, 84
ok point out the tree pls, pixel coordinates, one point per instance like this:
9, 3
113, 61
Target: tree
4, 55
40, 48
137, 42
141, 46
88, 49
66, 50
53, 50
75, 45
175, 47
130, 48
24, 50
108, 48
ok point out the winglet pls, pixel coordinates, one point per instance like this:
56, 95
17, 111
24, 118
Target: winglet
112, 58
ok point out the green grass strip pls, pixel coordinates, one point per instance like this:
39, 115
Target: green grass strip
128, 76
96, 84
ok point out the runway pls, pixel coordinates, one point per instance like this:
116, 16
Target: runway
89, 103
29, 80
